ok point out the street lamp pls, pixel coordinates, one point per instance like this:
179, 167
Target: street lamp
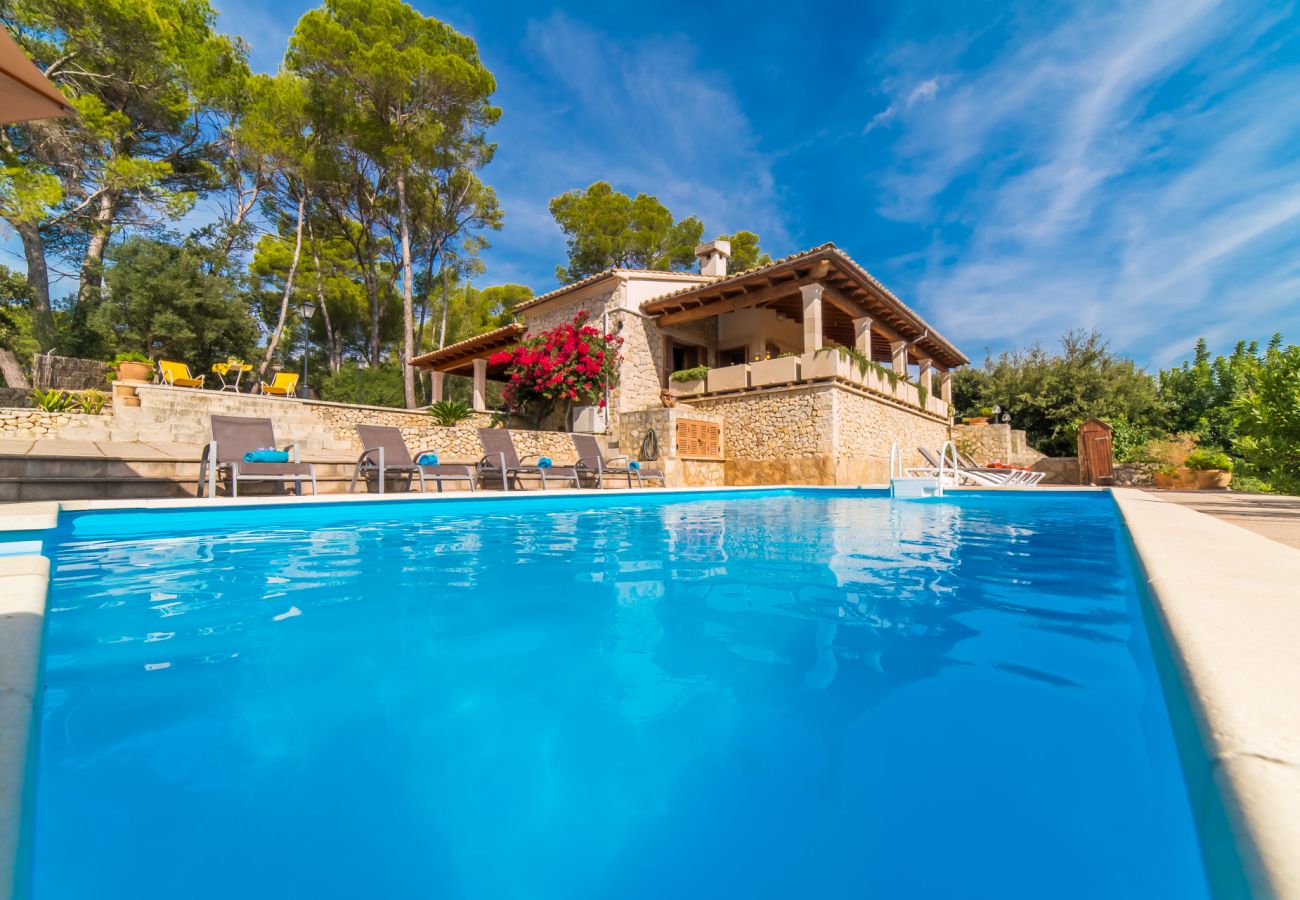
308, 310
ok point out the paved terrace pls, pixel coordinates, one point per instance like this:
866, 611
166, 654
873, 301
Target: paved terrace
1276, 518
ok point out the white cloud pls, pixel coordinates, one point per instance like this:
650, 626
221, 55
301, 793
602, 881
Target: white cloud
926, 90
1130, 169
644, 113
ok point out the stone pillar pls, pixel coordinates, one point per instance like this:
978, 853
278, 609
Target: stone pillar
435, 385
812, 317
862, 336
480, 385
945, 385
923, 377
898, 350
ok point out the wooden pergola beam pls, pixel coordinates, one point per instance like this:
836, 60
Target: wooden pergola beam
779, 291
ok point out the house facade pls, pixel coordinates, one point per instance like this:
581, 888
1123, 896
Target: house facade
814, 368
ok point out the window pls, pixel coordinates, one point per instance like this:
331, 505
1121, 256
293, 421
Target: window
681, 356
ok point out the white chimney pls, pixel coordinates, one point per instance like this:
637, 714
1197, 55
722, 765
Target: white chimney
713, 257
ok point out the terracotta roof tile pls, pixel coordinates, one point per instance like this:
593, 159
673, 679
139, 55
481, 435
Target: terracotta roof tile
831, 250
503, 336
592, 279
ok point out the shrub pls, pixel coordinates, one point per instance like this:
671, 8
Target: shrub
53, 400
1202, 460
1267, 419
693, 374
131, 357
378, 386
571, 363
1170, 452
449, 412
1130, 442
91, 402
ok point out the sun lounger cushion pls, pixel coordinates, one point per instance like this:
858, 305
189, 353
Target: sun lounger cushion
427, 459
266, 455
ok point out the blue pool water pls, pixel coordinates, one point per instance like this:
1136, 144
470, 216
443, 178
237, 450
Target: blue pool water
790, 694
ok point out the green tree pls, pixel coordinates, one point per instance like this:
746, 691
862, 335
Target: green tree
473, 311
1201, 393
151, 81
16, 339
745, 252
409, 97
164, 302
1049, 394
607, 229
1267, 418
372, 386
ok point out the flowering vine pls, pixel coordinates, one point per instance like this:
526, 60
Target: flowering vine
572, 363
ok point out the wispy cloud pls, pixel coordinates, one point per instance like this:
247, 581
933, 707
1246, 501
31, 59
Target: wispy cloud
1129, 169
645, 113
926, 90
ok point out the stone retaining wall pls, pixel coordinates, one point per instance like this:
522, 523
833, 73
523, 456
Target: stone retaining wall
679, 471
995, 443
823, 433
21, 423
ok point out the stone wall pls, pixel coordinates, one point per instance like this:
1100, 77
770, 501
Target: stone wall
323, 430
1136, 474
18, 423
825, 433
1058, 470
678, 470
15, 398
995, 443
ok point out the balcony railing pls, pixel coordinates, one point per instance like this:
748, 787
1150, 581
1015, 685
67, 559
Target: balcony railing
809, 368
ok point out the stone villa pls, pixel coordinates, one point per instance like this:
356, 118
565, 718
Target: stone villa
780, 403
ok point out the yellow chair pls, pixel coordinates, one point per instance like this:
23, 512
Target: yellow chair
177, 374
285, 384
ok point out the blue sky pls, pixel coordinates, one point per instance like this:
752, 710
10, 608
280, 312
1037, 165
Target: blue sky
1010, 171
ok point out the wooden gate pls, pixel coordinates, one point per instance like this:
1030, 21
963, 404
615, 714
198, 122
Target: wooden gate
1096, 464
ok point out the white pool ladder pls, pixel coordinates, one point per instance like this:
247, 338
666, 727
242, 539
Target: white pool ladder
913, 487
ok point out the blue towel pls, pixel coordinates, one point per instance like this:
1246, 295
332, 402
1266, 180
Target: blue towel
634, 465
427, 459
544, 463
266, 455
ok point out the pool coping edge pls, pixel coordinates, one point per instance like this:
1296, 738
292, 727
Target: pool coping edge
1220, 593
1225, 602
24, 583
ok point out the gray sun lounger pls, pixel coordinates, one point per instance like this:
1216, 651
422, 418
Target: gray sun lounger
501, 460
223, 457
592, 462
385, 455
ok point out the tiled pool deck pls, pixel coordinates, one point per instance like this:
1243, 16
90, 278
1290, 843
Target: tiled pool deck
1227, 600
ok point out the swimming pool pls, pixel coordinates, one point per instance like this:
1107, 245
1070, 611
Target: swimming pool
777, 694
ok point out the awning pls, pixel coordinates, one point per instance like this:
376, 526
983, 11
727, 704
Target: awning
25, 93
458, 358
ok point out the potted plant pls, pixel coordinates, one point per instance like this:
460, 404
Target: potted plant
982, 418
133, 367
689, 381
1164, 477
1213, 469
775, 370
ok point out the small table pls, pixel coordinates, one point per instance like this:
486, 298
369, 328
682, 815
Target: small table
224, 369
